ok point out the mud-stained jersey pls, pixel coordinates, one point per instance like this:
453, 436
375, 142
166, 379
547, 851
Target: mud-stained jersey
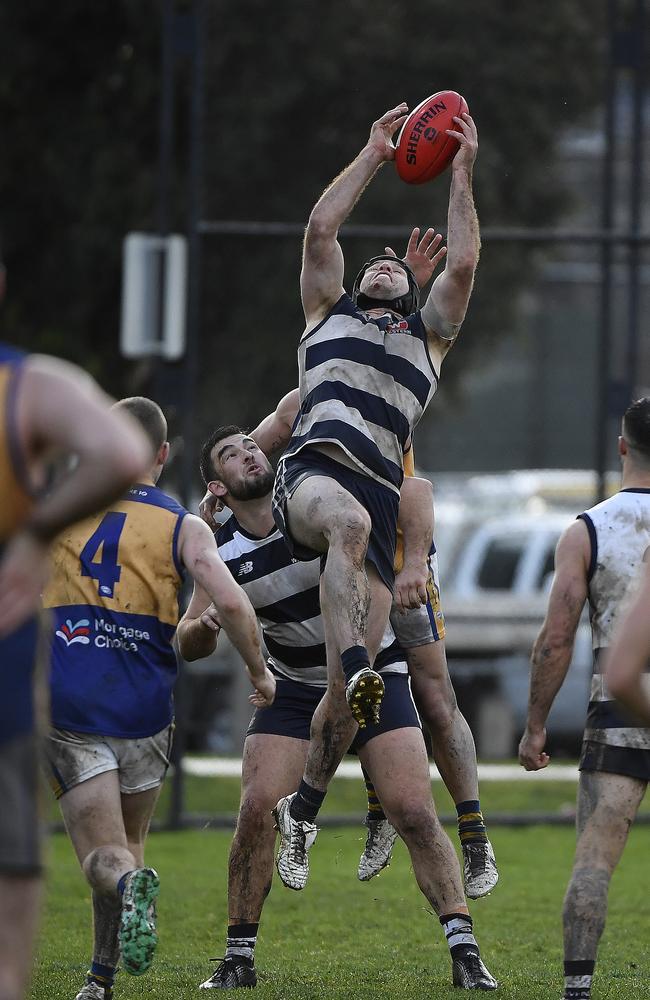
285, 595
364, 384
114, 597
18, 650
619, 531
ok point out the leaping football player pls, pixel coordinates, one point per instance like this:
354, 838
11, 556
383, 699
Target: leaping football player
368, 366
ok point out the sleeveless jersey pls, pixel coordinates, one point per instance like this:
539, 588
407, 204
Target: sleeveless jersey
285, 595
364, 384
18, 650
619, 529
114, 597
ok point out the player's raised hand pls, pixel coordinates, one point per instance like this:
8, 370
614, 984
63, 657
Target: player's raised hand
209, 506
531, 750
422, 255
467, 136
383, 130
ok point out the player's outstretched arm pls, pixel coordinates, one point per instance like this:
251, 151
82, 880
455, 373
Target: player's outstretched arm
198, 553
198, 630
628, 656
272, 434
553, 648
446, 305
415, 520
321, 280
60, 412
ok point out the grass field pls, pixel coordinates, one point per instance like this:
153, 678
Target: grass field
342, 939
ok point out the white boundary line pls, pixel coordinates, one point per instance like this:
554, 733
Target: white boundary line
230, 767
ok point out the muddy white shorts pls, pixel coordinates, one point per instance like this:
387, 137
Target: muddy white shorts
75, 757
423, 625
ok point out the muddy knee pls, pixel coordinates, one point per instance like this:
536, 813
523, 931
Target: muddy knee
415, 824
255, 818
351, 531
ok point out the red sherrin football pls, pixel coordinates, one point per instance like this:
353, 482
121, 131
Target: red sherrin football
423, 148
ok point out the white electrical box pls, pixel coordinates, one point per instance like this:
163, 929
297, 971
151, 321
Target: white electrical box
154, 296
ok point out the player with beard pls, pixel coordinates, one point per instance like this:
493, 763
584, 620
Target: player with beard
285, 595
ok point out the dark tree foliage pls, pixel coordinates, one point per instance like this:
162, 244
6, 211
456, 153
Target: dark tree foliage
291, 91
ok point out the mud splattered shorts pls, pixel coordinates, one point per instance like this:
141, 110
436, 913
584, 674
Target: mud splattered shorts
426, 624
76, 757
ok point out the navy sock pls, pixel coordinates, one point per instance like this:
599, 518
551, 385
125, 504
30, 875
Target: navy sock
471, 826
103, 975
375, 811
122, 882
306, 802
241, 941
354, 659
577, 980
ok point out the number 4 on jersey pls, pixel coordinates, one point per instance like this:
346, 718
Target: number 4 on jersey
106, 570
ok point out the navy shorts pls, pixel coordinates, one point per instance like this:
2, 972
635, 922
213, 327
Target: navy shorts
381, 503
294, 705
628, 761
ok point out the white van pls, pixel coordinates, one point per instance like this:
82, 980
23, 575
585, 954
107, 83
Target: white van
495, 578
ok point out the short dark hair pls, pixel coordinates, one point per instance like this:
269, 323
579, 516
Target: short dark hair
636, 427
150, 417
208, 471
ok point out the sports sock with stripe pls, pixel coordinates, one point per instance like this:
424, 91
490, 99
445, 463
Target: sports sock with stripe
458, 931
241, 941
471, 825
103, 975
577, 980
375, 811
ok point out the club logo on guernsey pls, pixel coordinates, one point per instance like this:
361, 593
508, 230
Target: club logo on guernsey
79, 632
399, 327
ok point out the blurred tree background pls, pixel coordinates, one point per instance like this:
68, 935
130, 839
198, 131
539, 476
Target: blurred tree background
291, 91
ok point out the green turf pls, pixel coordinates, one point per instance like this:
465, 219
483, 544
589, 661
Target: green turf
210, 796
342, 939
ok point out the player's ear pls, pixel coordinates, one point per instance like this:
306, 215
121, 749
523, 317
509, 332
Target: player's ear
163, 453
217, 488
622, 446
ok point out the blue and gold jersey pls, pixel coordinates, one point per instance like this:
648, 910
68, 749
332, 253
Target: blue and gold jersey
18, 650
114, 597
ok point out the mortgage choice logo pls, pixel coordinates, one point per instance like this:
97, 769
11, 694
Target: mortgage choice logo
102, 634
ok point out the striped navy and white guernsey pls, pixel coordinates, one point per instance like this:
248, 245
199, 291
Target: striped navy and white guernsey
619, 529
364, 384
285, 595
